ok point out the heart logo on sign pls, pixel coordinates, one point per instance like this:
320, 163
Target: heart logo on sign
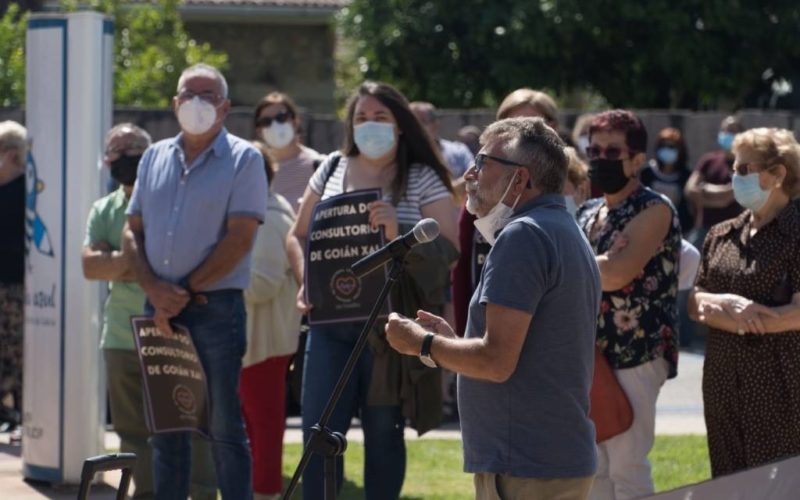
184, 399
346, 285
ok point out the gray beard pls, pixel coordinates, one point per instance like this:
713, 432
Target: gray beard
477, 201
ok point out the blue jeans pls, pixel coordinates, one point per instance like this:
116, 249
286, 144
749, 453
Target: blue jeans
218, 332
327, 350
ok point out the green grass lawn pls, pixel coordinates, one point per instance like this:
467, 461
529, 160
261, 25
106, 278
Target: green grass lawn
434, 469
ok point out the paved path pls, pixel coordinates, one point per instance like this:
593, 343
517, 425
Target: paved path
679, 411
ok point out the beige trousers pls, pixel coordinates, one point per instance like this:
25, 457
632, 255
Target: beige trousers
490, 486
623, 471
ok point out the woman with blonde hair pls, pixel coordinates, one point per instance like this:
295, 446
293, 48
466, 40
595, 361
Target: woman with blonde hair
748, 293
530, 103
522, 102
13, 151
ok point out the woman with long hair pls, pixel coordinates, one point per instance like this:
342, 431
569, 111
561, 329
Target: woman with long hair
385, 147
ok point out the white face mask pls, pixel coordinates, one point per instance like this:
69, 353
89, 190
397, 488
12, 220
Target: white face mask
196, 116
498, 216
572, 207
374, 139
278, 135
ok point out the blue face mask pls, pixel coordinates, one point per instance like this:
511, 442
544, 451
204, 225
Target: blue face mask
374, 139
748, 192
725, 140
667, 156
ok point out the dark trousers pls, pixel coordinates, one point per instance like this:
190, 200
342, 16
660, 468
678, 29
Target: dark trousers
124, 381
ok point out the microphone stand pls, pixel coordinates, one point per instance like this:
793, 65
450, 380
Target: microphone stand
323, 441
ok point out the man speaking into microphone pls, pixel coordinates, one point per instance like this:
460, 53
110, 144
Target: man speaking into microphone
425, 231
525, 363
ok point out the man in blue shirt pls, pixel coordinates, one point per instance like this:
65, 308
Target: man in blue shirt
525, 364
102, 259
192, 219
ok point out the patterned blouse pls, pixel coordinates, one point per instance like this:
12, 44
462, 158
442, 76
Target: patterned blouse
637, 322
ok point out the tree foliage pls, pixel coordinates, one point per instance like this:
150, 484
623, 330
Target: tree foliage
151, 48
12, 56
661, 53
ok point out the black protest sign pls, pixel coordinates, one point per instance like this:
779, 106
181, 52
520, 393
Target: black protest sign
480, 250
340, 234
175, 388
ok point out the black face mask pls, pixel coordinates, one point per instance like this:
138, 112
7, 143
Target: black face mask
124, 168
608, 175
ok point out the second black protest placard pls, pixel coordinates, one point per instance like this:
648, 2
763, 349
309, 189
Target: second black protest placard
175, 388
339, 235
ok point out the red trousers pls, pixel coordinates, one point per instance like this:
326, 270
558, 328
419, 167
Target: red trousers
262, 391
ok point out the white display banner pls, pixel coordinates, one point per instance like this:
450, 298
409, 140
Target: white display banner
45, 115
776, 481
68, 110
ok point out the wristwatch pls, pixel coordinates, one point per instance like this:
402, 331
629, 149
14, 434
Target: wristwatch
425, 352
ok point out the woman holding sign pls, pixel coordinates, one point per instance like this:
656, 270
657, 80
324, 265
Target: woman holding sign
387, 157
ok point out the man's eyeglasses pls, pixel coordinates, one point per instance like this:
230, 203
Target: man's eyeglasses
480, 160
208, 96
266, 121
610, 153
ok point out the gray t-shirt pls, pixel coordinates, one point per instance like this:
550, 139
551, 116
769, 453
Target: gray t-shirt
536, 424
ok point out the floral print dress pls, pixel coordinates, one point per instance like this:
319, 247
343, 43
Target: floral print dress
637, 322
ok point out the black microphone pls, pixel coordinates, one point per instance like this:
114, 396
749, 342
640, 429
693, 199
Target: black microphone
426, 230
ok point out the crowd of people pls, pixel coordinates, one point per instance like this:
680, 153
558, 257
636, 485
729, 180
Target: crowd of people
558, 251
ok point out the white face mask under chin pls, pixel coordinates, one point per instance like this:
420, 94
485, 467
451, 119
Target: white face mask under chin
498, 216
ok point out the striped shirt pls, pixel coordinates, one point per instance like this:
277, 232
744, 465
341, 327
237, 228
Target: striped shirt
424, 187
292, 175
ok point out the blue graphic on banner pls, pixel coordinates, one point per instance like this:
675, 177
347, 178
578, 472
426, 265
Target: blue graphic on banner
35, 229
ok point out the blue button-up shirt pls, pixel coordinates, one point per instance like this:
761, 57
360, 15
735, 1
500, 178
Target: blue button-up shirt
184, 208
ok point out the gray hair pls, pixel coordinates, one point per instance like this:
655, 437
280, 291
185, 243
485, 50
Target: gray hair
204, 70
533, 144
425, 108
14, 136
142, 138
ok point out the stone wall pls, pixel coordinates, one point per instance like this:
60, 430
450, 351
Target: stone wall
296, 59
323, 132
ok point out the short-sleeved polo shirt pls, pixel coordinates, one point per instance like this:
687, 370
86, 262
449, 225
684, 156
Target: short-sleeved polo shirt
185, 208
536, 424
125, 298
